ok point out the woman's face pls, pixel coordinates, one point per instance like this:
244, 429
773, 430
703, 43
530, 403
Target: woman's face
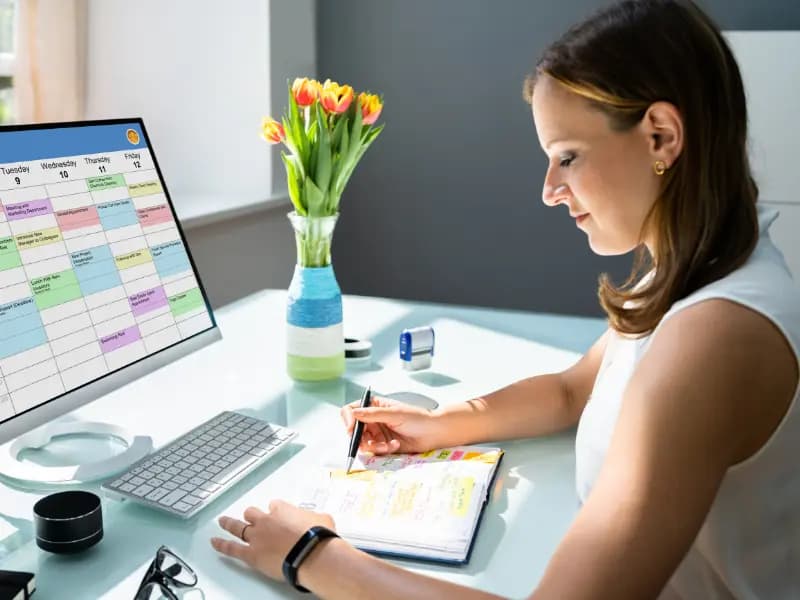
604, 177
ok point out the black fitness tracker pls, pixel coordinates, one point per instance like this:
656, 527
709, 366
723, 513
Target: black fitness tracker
300, 551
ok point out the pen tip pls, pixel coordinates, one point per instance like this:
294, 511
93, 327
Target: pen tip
349, 465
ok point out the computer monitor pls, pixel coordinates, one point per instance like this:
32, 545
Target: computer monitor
97, 285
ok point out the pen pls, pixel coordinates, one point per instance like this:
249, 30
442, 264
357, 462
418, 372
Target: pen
355, 441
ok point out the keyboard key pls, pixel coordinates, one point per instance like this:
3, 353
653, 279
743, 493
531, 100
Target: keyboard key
142, 490
156, 494
182, 506
172, 497
231, 471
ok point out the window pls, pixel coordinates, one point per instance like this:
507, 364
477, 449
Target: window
7, 44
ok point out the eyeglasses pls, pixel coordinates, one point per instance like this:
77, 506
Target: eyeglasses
166, 571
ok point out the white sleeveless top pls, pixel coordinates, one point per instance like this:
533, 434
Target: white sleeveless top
749, 544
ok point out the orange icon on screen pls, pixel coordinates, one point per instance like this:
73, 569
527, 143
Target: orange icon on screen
133, 136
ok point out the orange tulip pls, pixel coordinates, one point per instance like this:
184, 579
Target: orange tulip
371, 107
305, 91
336, 98
272, 131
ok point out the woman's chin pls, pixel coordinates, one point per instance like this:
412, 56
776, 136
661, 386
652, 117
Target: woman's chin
605, 248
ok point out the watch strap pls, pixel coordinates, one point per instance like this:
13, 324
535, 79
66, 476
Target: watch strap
301, 550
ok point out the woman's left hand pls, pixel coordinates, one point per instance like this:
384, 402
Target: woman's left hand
268, 536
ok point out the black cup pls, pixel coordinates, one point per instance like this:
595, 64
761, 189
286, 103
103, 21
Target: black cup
68, 522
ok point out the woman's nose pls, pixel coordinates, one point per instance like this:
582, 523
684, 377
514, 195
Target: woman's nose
554, 193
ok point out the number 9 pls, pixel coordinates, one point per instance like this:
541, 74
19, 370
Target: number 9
16, 179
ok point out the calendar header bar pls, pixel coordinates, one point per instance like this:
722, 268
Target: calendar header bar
26, 144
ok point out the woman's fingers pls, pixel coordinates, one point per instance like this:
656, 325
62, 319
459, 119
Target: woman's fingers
346, 413
253, 514
377, 414
232, 549
389, 447
229, 547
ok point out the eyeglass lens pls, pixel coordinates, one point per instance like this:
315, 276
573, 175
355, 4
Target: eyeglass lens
174, 568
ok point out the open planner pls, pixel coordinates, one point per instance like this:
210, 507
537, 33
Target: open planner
424, 506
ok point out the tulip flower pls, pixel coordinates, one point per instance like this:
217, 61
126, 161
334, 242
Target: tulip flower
336, 98
305, 91
322, 147
272, 131
371, 107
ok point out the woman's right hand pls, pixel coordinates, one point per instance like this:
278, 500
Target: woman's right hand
391, 426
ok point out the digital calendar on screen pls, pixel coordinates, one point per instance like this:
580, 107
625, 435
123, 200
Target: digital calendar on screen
94, 272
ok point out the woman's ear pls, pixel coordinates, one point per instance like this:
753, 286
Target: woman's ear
663, 126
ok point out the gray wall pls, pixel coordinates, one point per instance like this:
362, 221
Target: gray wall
241, 255
446, 206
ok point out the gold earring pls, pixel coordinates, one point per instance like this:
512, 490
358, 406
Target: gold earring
659, 167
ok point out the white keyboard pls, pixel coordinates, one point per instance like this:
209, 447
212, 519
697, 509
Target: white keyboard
185, 476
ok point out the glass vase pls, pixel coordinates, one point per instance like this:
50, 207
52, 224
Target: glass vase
314, 335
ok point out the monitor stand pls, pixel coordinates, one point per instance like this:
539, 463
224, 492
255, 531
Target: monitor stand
10, 466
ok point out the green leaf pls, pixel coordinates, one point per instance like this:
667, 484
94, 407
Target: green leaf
370, 136
340, 161
355, 134
293, 182
298, 130
344, 177
315, 199
291, 143
311, 134
336, 139
322, 173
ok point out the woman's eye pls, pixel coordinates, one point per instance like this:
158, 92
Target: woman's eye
566, 160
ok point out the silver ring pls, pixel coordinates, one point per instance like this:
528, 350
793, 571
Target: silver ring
243, 530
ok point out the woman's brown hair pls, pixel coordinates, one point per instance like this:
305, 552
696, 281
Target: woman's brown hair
704, 222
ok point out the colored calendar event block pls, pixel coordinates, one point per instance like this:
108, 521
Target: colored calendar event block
133, 259
186, 301
154, 215
127, 336
170, 258
103, 183
77, 218
20, 327
9, 256
146, 188
55, 289
120, 213
25, 210
34, 239
95, 269
148, 300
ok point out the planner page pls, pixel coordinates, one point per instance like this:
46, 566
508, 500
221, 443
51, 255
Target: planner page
430, 501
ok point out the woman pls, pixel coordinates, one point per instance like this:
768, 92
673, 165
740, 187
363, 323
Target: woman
688, 424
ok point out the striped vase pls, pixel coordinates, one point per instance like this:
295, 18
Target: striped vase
314, 336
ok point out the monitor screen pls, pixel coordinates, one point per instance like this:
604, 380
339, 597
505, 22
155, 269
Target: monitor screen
95, 274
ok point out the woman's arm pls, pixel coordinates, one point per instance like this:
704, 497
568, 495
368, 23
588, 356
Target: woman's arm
334, 570
535, 406
341, 572
707, 394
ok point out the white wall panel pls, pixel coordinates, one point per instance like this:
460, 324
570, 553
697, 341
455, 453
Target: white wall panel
784, 233
770, 66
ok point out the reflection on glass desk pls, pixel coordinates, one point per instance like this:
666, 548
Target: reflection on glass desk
478, 350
